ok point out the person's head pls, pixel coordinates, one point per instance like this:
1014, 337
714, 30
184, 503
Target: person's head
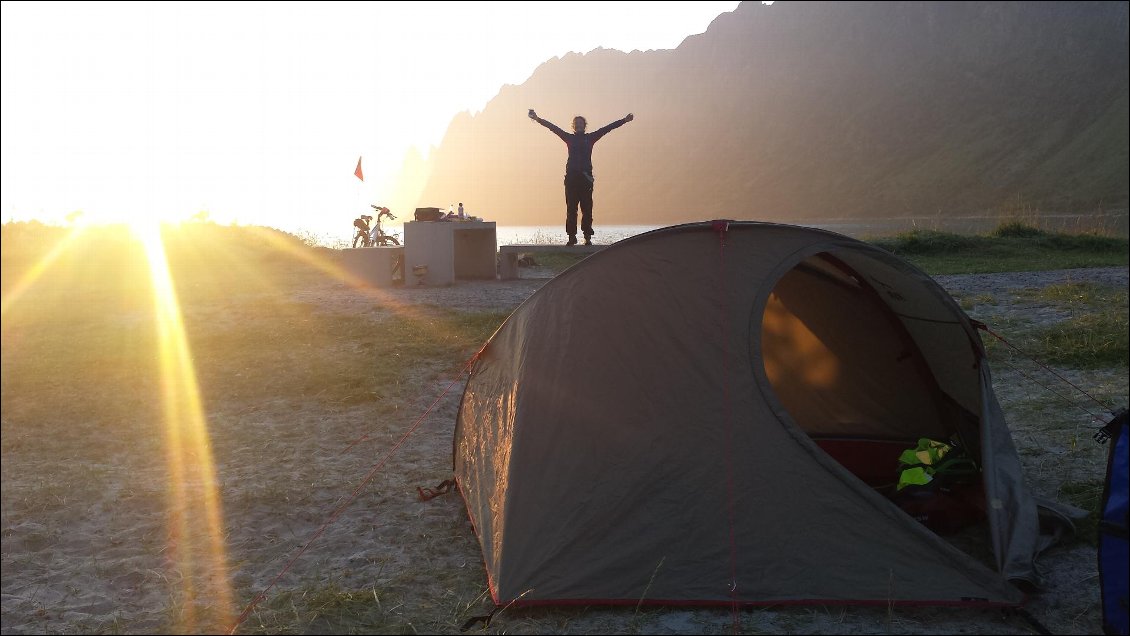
579, 124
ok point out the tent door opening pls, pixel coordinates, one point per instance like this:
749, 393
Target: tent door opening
855, 380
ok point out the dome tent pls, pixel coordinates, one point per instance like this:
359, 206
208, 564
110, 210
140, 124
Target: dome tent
694, 416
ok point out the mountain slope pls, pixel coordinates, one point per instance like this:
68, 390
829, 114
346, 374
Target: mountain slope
817, 110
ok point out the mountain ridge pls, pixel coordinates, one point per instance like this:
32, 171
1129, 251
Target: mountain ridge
817, 110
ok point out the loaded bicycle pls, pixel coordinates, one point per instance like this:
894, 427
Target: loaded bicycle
374, 236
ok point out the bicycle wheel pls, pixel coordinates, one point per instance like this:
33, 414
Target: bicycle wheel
359, 238
389, 240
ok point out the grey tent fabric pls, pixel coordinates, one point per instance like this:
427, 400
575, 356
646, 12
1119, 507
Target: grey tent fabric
647, 427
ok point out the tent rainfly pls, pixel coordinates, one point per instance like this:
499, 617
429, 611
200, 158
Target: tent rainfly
712, 413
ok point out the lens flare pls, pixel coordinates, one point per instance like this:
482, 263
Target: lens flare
38, 269
196, 534
334, 269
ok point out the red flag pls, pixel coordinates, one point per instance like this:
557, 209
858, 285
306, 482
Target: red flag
357, 172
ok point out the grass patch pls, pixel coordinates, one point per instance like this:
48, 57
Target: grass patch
392, 605
81, 346
1011, 247
286, 382
334, 358
328, 609
1087, 295
1092, 341
1094, 337
1015, 229
559, 261
1086, 495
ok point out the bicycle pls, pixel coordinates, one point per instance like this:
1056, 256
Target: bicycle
362, 235
379, 236
376, 236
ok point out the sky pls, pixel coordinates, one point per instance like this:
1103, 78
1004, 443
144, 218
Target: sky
257, 112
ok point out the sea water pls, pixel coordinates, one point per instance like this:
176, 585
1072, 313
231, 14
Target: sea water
554, 234
1113, 223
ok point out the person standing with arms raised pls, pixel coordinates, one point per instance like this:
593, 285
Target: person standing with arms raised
579, 180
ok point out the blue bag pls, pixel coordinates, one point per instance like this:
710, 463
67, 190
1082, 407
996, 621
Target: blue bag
1114, 557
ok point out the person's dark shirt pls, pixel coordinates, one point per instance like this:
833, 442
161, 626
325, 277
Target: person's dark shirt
580, 145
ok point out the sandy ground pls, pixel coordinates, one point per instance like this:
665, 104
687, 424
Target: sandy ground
102, 563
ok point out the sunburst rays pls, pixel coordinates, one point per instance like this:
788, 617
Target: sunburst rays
196, 528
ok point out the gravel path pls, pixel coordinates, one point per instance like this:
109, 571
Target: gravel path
1000, 283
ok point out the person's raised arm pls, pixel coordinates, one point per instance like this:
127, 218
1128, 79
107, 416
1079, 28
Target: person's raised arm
613, 126
550, 125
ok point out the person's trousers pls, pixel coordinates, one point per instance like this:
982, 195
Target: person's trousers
578, 193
